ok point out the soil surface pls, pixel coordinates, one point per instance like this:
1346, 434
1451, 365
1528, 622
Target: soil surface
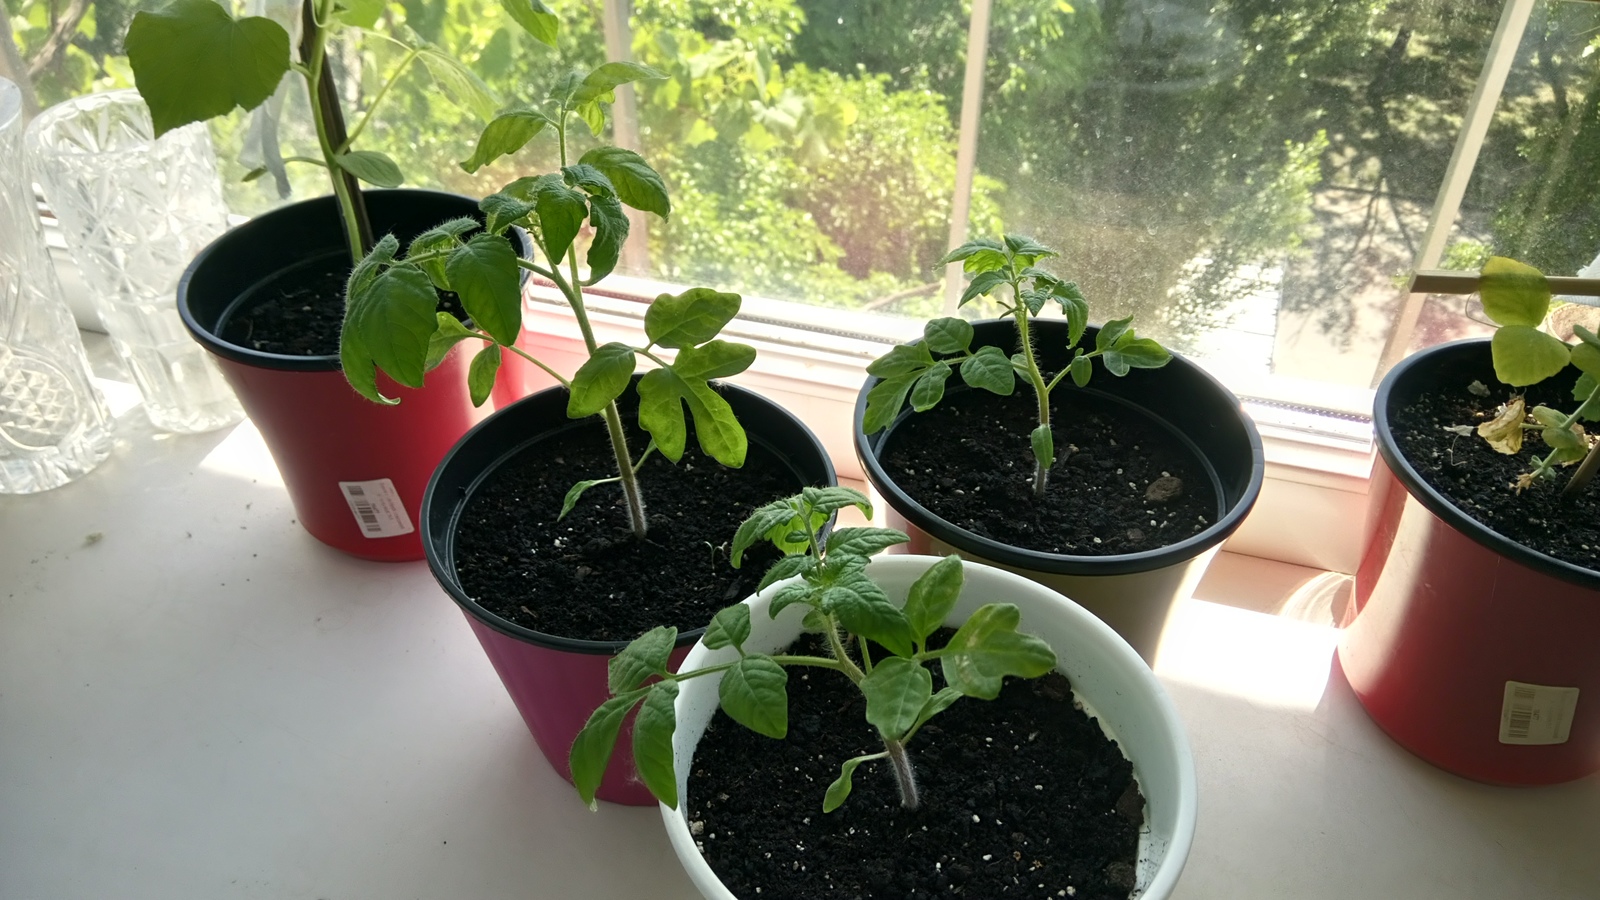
586, 576
1479, 481
1121, 482
299, 313
1023, 796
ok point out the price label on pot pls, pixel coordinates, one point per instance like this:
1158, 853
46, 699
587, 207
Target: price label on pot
377, 508
1537, 713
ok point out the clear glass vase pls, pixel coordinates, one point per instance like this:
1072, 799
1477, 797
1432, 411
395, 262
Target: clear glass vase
134, 210
54, 425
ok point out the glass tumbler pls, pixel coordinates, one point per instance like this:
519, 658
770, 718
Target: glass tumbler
134, 210
54, 425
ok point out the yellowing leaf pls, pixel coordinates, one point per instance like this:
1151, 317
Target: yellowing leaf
1504, 431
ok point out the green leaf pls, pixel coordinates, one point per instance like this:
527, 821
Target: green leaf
947, 335
1587, 358
981, 284
884, 402
601, 379
864, 541
1142, 353
480, 374
538, 20
372, 167
754, 693
938, 703
1584, 391
1563, 439
636, 183
981, 255
457, 82
1034, 301
599, 84
449, 333
1020, 245
713, 359
896, 690
730, 626
902, 359
839, 790
445, 236
991, 370
593, 115
359, 13
652, 742
564, 87
1075, 308
787, 567
829, 500
862, 608
561, 213
799, 592
1513, 293
589, 180
501, 211
192, 61
505, 134
483, 272
758, 525
592, 748
1044, 447
1524, 355
398, 322
933, 595
610, 231
662, 394
1110, 333
570, 502
988, 648
1082, 369
929, 387
645, 656
692, 317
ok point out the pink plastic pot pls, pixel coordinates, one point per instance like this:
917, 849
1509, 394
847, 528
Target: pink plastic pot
355, 470
556, 682
1450, 617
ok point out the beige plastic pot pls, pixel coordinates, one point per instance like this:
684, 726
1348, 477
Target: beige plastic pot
1110, 679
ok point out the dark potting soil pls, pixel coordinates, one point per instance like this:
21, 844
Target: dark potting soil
1121, 482
1479, 481
1022, 796
299, 313
586, 576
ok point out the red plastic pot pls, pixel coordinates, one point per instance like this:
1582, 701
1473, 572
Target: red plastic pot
355, 470
556, 682
1134, 593
1449, 618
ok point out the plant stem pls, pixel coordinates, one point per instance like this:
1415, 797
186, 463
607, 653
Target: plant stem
329, 120
1581, 478
619, 439
344, 146
904, 778
1041, 392
848, 667
525, 355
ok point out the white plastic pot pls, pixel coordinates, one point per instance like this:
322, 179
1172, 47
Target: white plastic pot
1109, 677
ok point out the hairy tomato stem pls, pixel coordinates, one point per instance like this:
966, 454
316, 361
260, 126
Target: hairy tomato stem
1041, 392
904, 777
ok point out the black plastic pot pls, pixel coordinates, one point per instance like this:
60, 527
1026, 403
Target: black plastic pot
1132, 592
557, 681
324, 437
1448, 614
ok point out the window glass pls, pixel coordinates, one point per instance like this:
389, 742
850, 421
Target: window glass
1248, 177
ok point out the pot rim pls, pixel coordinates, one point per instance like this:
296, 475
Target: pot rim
444, 569
1416, 366
1066, 563
256, 228
1122, 657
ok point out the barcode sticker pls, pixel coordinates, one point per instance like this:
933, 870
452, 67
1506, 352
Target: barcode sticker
377, 508
1537, 714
